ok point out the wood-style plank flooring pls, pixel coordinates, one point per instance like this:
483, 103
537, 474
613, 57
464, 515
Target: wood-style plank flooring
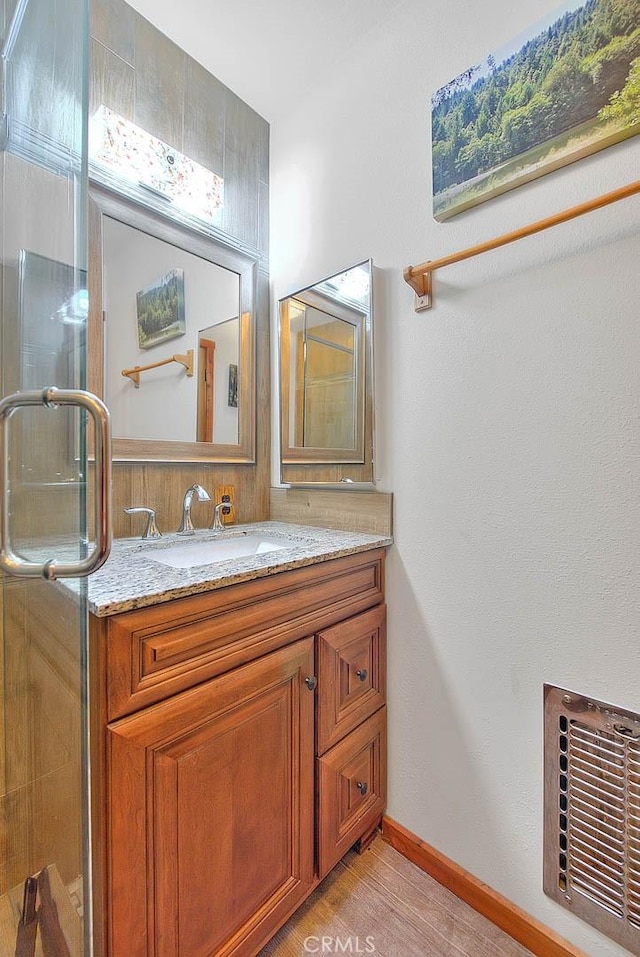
388, 908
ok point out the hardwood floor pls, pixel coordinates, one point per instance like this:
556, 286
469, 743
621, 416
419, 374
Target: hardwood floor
380, 903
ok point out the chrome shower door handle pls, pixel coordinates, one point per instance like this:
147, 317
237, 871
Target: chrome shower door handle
50, 398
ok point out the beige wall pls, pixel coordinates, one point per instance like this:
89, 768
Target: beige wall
507, 429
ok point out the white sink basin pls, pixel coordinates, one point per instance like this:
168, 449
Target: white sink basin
217, 550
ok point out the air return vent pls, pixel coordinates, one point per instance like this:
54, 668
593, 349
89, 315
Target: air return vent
592, 812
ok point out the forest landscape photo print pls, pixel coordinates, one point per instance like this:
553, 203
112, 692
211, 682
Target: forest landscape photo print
160, 310
566, 88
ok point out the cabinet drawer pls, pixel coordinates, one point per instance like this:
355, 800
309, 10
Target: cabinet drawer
152, 653
351, 675
352, 785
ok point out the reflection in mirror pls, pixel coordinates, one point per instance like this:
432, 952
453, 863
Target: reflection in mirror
218, 356
326, 388
141, 328
177, 338
324, 410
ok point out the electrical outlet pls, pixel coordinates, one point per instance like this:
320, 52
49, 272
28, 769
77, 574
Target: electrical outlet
226, 493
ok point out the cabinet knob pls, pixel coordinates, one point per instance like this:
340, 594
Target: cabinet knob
362, 674
311, 682
363, 787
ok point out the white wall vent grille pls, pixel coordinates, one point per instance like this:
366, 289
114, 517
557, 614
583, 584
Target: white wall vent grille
592, 812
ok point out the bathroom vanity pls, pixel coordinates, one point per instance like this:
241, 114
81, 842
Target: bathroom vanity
240, 724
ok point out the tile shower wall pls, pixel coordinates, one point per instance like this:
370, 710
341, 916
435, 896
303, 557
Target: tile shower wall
139, 73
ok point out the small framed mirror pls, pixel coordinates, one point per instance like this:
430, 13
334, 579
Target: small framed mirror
326, 380
173, 337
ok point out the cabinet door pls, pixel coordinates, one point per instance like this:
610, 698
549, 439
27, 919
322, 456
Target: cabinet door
211, 812
352, 786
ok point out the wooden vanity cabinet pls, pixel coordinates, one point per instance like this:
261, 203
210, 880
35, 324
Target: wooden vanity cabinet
228, 784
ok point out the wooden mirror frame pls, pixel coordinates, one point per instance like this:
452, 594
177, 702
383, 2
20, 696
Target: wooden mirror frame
103, 203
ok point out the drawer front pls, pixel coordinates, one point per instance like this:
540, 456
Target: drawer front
157, 651
351, 675
352, 785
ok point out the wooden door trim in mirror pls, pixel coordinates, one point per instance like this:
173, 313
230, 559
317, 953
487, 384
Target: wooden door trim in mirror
104, 203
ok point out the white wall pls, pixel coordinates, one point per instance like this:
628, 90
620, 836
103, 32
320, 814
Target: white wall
165, 405
507, 429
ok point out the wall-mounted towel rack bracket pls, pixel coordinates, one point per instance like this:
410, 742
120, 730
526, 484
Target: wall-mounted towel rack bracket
185, 360
422, 286
420, 277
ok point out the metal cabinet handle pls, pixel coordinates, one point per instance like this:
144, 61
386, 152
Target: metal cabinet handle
311, 682
363, 787
51, 398
362, 674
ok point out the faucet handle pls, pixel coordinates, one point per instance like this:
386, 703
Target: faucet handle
152, 530
219, 510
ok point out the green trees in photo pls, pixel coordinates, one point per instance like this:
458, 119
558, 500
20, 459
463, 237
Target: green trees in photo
624, 105
160, 306
582, 68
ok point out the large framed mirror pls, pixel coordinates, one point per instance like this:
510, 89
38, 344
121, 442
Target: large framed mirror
326, 380
172, 322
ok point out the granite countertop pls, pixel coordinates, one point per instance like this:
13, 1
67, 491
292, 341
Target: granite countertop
132, 579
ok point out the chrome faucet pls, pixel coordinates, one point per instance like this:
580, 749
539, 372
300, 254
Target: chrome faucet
186, 526
151, 530
217, 525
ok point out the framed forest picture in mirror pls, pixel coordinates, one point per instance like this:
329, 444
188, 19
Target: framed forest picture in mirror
160, 310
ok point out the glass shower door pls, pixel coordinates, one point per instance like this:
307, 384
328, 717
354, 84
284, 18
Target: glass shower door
45, 903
